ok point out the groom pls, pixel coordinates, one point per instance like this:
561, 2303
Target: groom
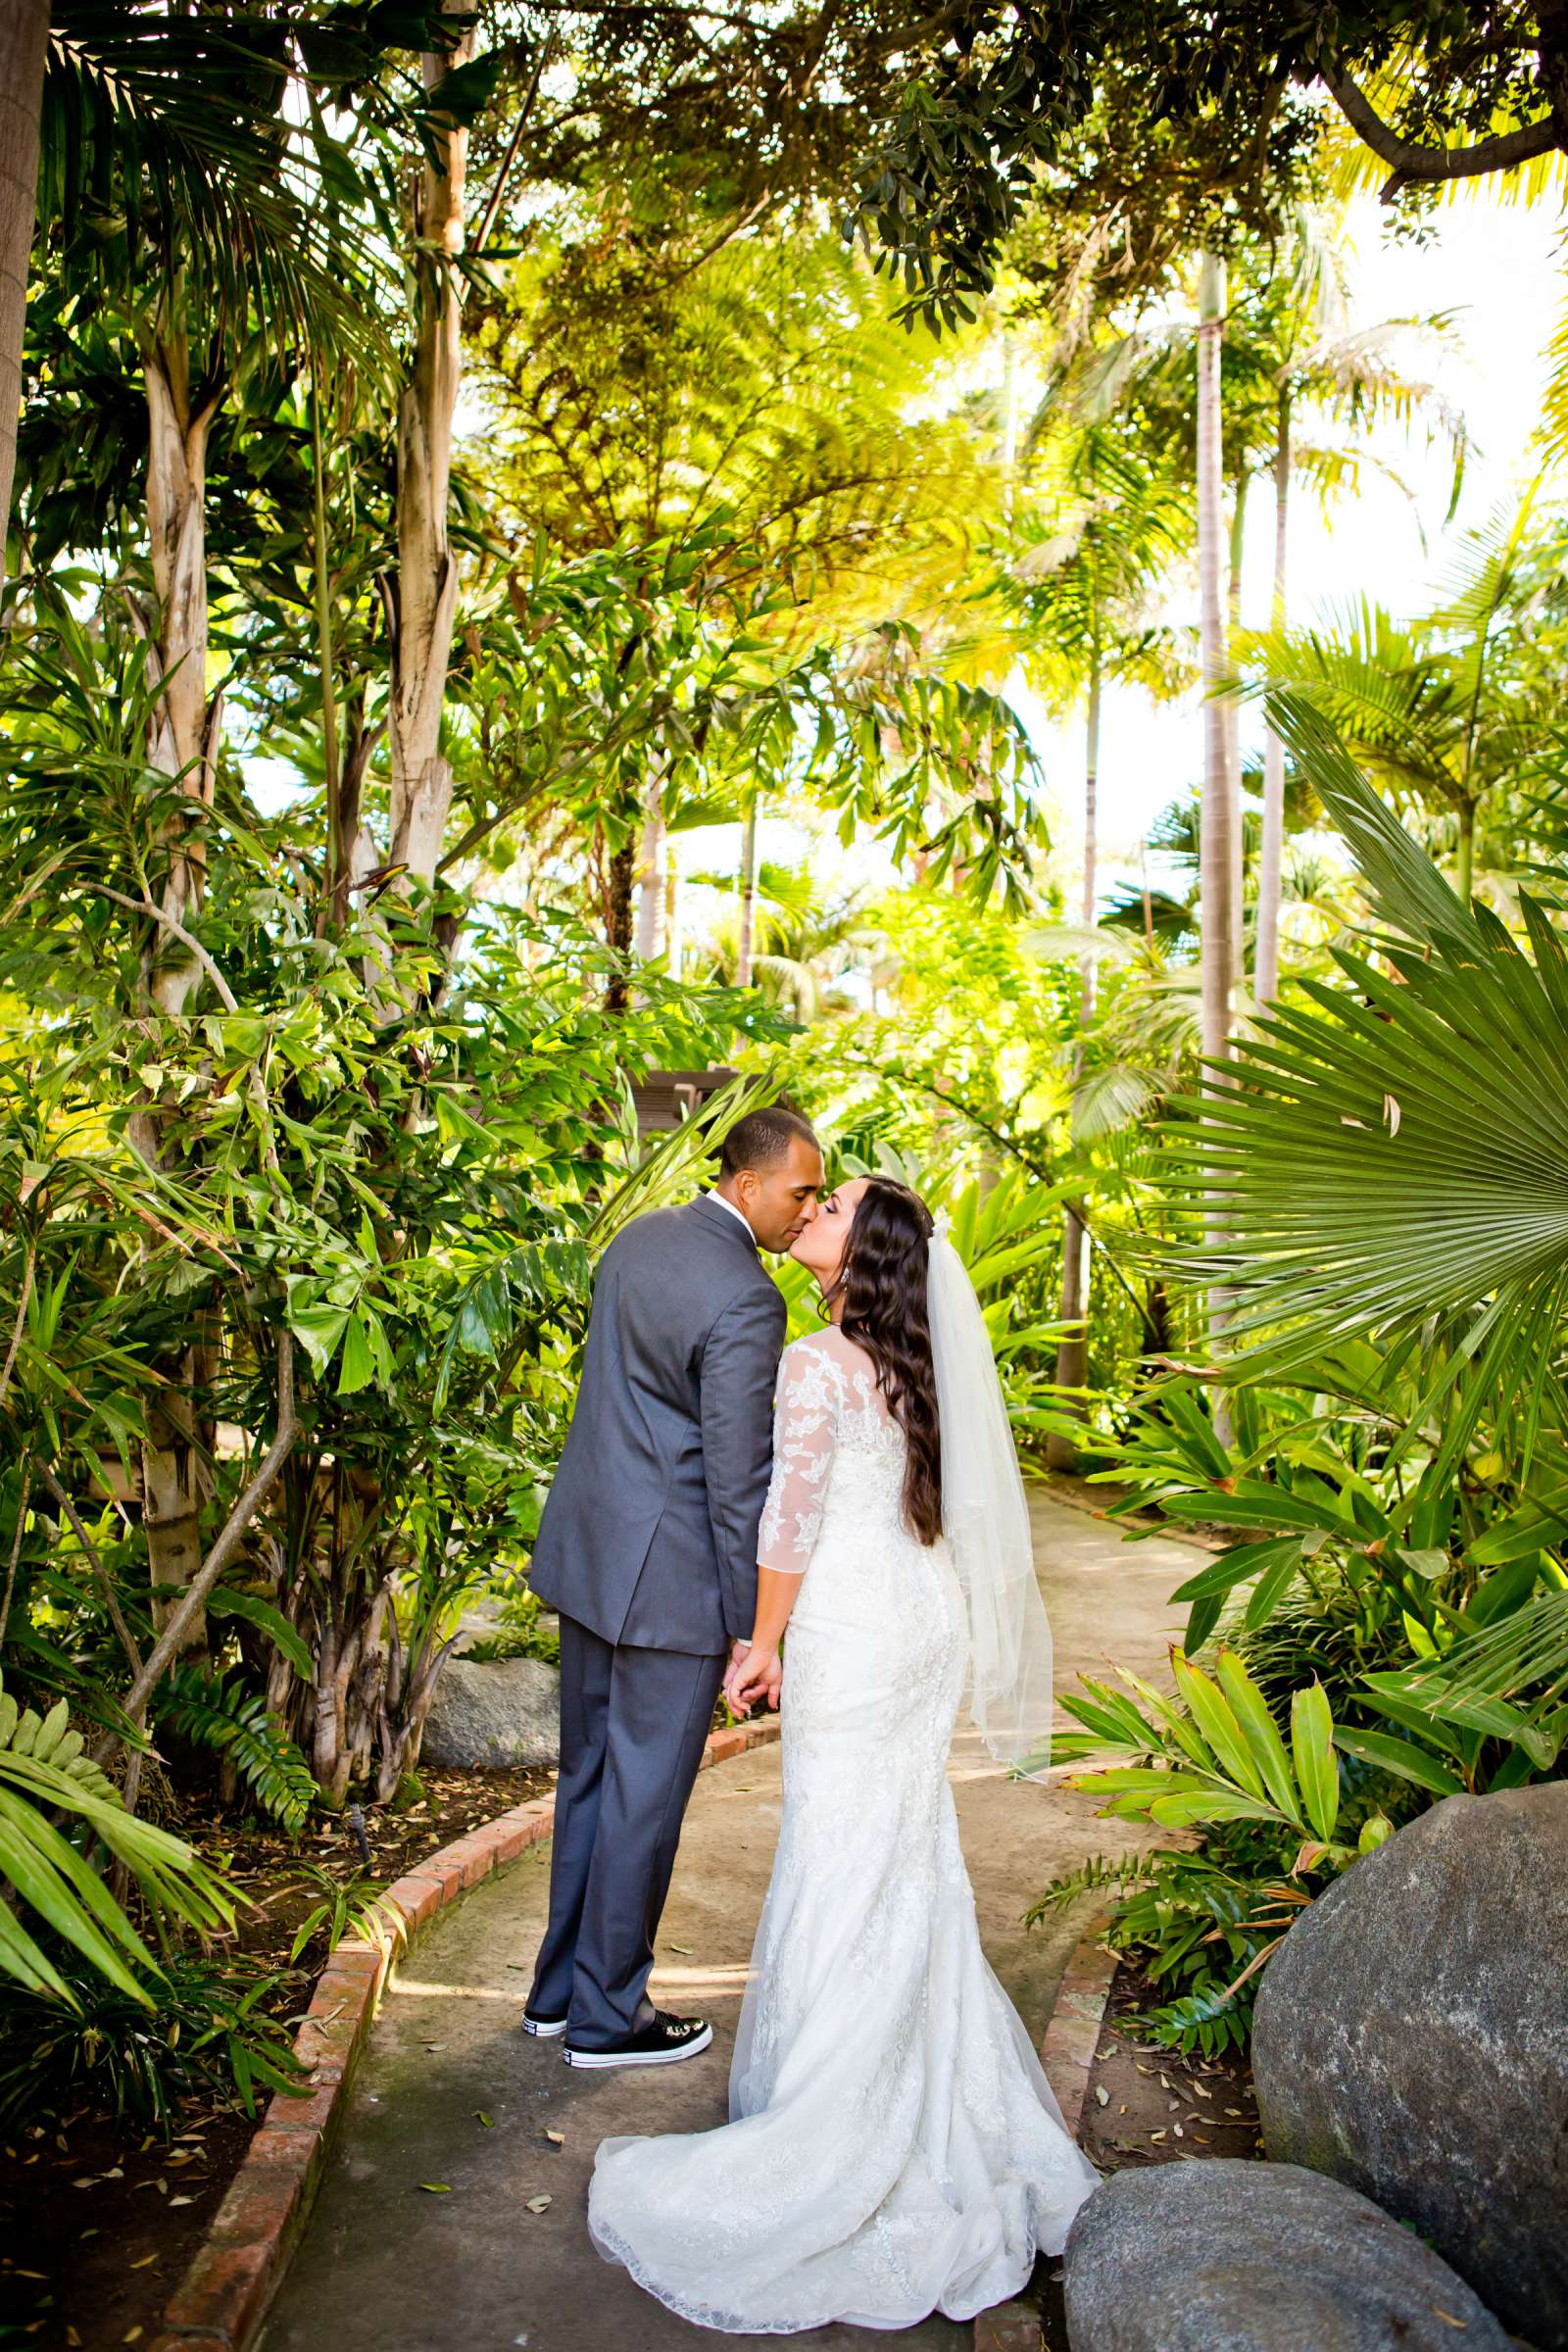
648, 1549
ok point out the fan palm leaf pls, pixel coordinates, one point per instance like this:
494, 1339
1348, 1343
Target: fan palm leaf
1392, 1158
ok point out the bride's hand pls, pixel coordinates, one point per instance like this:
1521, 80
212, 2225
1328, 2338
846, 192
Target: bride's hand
759, 1674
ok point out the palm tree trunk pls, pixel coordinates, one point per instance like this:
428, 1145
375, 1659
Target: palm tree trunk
1233, 735
1217, 862
1266, 962
651, 854
181, 1429
24, 40
422, 604
673, 940
1073, 1351
1088, 974
1216, 857
184, 739
748, 925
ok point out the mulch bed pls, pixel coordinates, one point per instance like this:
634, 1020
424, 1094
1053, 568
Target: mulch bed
1145, 2107
96, 2227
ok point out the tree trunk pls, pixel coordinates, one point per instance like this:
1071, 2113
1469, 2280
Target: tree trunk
743, 952
673, 938
1216, 849
1233, 738
1216, 866
421, 605
1087, 970
618, 925
1266, 962
651, 883
24, 40
184, 744
181, 1430
1073, 1351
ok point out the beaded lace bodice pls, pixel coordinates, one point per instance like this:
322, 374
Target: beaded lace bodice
838, 1452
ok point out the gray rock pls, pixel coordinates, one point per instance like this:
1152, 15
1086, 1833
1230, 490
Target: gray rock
1228, 2255
495, 1715
1411, 2038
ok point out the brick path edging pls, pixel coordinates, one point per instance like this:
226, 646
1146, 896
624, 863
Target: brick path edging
224, 2297
1067, 2054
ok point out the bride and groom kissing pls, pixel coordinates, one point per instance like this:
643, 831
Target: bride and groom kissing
893, 2147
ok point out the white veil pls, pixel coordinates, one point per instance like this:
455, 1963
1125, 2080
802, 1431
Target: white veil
985, 1516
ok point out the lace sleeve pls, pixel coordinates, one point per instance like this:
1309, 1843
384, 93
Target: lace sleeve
804, 1433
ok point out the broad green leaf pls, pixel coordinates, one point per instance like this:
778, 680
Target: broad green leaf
1260, 1730
1186, 1812
1318, 1775
1402, 1758
1217, 1724
221, 1601
358, 1366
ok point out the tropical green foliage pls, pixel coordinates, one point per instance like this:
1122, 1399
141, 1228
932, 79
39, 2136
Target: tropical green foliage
215, 2034
44, 1777
469, 492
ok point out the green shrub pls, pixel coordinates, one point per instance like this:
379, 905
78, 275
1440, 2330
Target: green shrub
205, 2032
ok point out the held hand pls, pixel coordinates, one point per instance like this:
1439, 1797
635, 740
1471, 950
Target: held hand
756, 1673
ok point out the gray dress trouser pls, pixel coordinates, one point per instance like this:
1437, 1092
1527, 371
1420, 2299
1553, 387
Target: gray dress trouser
632, 1726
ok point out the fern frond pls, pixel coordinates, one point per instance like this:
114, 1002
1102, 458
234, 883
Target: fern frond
234, 1722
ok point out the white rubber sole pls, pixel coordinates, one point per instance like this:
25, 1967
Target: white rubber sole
544, 2028
604, 2058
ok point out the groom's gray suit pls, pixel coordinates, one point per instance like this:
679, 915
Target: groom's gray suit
648, 1549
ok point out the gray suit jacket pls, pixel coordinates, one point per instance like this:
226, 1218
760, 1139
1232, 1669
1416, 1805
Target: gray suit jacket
650, 1534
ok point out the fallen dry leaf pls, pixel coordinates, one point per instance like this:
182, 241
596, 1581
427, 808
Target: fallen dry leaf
537, 2204
557, 2140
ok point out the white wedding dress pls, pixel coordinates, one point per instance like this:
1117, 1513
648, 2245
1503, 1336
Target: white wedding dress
893, 2147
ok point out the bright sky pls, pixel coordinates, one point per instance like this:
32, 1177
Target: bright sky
1502, 268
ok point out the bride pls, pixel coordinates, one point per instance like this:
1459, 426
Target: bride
893, 2147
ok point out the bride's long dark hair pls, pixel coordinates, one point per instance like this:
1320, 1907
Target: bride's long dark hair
883, 1285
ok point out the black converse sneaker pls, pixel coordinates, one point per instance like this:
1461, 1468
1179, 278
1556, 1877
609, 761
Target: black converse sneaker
662, 2043
545, 2028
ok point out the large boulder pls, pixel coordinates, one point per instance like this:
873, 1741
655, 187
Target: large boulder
495, 1715
1228, 2255
1411, 2038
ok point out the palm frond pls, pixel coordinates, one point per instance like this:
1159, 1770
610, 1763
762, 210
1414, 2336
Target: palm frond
169, 132
1393, 1157
232, 1720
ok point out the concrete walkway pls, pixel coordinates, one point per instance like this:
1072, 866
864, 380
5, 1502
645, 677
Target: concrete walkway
422, 2239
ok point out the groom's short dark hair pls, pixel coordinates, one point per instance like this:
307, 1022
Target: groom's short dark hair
763, 1139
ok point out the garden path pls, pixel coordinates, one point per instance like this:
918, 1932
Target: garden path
451, 2090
